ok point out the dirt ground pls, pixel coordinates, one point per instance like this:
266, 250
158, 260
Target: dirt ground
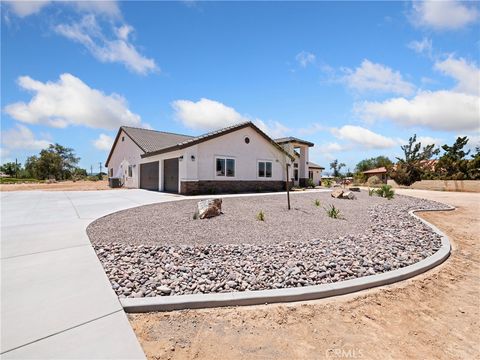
59, 186
433, 316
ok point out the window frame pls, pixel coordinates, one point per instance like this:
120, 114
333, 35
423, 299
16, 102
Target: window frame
130, 171
264, 162
225, 161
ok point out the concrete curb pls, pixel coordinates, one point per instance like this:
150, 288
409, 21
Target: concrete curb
198, 301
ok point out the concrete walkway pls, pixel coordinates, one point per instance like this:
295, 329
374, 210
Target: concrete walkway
56, 301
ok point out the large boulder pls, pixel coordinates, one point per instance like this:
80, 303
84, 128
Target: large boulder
209, 208
337, 193
348, 195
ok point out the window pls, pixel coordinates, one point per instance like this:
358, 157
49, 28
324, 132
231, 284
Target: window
265, 169
225, 167
130, 172
123, 138
295, 165
247, 140
295, 174
310, 174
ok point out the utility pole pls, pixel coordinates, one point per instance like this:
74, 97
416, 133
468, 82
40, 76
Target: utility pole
100, 171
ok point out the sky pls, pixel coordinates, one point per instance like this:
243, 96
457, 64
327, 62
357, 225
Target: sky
355, 78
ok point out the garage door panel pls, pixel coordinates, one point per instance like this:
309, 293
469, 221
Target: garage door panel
149, 176
170, 175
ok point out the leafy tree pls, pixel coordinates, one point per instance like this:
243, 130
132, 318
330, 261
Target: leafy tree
452, 164
336, 167
474, 165
373, 163
412, 167
56, 160
11, 168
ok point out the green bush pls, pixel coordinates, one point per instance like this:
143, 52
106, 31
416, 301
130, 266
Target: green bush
92, 178
371, 192
317, 202
327, 183
386, 191
310, 183
333, 212
261, 216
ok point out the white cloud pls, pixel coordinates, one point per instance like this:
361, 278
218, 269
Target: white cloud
305, 58
23, 8
26, 8
467, 74
103, 142
206, 114
370, 76
274, 129
70, 101
312, 129
437, 110
333, 147
365, 138
88, 33
444, 15
22, 138
422, 47
428, 140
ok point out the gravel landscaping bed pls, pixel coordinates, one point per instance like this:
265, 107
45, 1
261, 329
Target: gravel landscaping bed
161, 250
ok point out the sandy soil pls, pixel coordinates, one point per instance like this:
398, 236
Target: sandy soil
59, 186
433, 316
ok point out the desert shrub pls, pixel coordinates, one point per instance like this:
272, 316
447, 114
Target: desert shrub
310, 183
261, 216
327, 183
386, 191
195, 215
19, 181
333, 212
317, 202
371, 192
92, 178
374, 180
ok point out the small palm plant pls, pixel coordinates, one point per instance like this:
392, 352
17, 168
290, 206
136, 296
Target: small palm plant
386, 191
261, 216
317, 202
333, 212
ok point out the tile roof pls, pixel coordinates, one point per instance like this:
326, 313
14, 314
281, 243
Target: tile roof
152, 140
293, 139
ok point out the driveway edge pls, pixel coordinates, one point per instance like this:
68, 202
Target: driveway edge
257, 297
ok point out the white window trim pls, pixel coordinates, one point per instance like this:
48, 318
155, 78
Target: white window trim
258, 168
225, 158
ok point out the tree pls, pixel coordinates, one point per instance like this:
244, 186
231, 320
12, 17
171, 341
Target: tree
336, 167
11, 168
412, 167
452, 164
56, 160
373, 163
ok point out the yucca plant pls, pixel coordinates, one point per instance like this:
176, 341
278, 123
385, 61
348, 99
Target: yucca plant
371, 192
333, 212
317, 202
261, 216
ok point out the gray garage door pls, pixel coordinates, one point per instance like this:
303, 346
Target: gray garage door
149, 176
170, 175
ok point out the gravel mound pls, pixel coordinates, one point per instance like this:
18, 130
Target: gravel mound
145, 253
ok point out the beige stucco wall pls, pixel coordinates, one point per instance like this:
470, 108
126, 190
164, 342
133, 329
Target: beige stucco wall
126, 153
246, 156
317, 176
443, 185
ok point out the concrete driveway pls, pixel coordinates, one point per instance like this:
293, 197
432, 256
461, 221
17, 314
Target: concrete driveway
56, 301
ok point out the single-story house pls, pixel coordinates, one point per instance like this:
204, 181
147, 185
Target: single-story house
238, 158
380, 172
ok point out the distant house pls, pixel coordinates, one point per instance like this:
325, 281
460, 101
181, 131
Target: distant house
238, 158
380, 172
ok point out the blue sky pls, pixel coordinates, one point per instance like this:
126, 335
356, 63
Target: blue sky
355, 78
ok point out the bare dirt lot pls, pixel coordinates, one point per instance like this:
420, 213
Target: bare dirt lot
433, 316
59, 186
